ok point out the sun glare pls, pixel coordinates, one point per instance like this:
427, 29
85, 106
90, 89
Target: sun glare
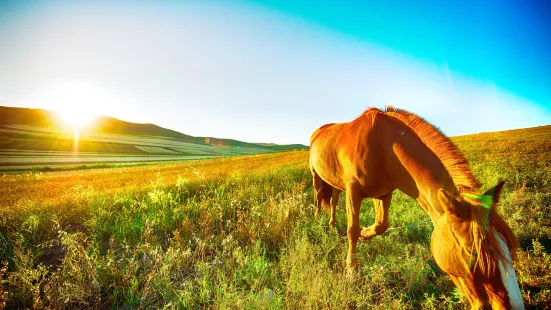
76, 118
76, 102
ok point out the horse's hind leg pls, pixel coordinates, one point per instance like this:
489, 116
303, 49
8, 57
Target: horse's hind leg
381, 218
318, 191
334, 201
322, 192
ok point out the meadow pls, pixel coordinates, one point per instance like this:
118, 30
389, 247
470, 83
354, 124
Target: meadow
39, 140
24, 147
240, 233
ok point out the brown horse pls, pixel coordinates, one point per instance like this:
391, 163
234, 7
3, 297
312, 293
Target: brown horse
379, 152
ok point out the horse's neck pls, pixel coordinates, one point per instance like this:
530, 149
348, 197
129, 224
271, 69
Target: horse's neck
424, 174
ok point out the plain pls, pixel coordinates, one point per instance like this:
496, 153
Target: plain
240, 233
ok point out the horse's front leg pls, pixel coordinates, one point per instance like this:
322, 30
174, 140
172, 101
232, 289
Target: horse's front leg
353, 203
381, 218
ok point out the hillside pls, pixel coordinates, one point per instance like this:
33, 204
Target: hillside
240, 232
31, 117
106, 124
35, 137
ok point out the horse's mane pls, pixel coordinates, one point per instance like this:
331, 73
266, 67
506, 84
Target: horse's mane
465, 182
485, 243
450, 156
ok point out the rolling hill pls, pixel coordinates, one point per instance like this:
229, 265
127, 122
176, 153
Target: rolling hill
36, 137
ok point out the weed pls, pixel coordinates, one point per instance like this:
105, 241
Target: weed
240, 233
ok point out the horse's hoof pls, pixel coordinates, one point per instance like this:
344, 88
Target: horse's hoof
352, 264
352, 272
366, 234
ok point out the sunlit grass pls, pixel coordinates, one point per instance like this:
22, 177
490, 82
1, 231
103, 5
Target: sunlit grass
26, 147
239, 233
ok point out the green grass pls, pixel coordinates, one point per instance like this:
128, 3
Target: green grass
93, 166
33, 138
247, 239
22, 149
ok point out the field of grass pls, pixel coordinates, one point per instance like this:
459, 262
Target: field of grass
25, 147
240, 233
34, 139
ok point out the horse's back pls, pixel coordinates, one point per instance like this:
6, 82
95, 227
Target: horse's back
356, 152
344, 153
348, 132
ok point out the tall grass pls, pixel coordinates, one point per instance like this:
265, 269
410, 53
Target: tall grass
247, 239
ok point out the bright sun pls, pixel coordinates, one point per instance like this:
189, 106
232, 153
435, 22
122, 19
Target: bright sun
75, 117
78, 103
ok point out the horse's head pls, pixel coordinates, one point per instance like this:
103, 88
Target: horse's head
474, 245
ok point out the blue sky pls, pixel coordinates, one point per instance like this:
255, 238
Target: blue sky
507, 42
273, 71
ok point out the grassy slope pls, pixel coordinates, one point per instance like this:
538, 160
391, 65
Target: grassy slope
25, 131
105, 124
239, 233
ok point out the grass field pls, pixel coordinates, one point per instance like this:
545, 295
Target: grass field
239, 233
24, 147
34, 139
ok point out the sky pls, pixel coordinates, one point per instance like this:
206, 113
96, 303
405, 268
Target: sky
274, 71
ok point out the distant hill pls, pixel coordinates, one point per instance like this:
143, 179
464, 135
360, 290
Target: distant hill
107, 124
110, 125
31, 117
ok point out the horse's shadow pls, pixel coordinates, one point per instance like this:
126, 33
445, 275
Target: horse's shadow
526, 243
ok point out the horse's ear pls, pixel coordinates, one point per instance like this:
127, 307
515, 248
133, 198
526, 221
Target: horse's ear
495, 191
446, 201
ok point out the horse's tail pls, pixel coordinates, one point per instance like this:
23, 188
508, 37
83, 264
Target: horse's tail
322, 191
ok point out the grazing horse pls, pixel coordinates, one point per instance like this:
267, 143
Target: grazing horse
381, 151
